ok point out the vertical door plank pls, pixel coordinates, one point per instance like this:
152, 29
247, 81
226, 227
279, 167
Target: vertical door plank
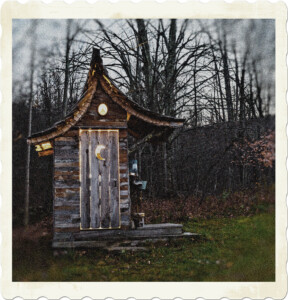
94, 165
104, 167
85, 181
114, 182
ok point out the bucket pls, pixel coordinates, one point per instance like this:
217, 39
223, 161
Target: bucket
144, 185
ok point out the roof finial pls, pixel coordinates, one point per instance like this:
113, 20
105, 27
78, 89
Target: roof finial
96, 58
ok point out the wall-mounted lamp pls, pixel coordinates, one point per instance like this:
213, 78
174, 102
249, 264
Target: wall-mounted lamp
43, 146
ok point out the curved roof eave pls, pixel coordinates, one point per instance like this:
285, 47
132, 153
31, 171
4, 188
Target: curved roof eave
96, 76
70, 120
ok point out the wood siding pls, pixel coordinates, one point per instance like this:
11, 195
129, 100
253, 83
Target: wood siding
66, 183
125, 204
67, 173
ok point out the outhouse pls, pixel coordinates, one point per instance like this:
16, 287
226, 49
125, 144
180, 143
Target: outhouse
91, 169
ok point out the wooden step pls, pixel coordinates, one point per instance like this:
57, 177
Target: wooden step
121, 241
149, 230
123, 249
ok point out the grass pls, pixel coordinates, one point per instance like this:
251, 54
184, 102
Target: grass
234, 249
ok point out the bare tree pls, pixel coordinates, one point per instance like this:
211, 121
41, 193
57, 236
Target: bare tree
70, 37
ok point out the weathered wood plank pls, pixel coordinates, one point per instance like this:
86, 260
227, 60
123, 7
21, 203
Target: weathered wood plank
64, 177
153, 230
66, 211
99, 125
66, 139
71, 228
63, 203
124, 206
104, 167
66, 207
60, 172
114, 184
124, 201
67, 190
124, 187
66, 183
66, 164
64, 153
68, 193
66, 143
95, 203
62, 236
123, 158
65, 147
85, 180
90, 121
124, 194
71, 133
66, 169
67, 216
125, 218
73, 244
124, 179
123, 134
46, 152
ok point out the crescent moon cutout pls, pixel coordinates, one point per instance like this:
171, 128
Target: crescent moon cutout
98, 152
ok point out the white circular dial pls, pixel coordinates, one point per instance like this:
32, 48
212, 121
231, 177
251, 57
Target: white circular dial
102, 109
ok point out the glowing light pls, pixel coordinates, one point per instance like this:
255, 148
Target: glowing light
43, 146
46, 145
102, 109
38, 148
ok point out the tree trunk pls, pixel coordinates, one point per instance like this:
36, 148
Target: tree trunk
165, 168
170, 70
195, 97
219, 84
27, 181
227, 84
31, 83
147, 64
66, 73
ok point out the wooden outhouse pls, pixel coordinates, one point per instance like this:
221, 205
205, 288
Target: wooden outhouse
91, 169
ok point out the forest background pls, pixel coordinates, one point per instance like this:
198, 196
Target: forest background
217, 74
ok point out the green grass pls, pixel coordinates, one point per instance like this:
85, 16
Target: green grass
234, 249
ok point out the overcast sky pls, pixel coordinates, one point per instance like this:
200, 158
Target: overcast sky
51, 33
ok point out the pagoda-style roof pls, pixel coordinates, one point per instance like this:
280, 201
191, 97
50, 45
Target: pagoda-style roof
140, 121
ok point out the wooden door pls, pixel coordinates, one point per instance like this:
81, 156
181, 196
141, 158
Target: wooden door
99, 175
